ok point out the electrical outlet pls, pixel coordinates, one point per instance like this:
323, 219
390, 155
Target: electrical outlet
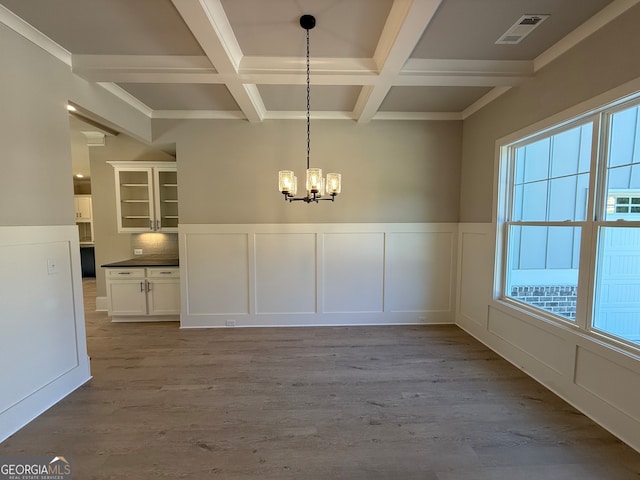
137, 251
231, 323
52, 267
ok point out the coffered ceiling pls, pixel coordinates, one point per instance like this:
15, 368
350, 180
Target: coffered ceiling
245, 59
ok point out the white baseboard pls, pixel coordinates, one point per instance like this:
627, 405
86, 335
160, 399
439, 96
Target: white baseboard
102, 304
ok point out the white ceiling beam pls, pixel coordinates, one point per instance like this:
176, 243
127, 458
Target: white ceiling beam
291, 71
418, 116
301, 115
517, 68
211, 28
456, 81
298, 65
405, 24
464, 73
144, 68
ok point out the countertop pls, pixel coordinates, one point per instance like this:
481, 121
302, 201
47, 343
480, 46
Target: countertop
146, 261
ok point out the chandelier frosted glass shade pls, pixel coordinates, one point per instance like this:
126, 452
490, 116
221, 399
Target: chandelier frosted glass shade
287, 182
314, 180
334, 183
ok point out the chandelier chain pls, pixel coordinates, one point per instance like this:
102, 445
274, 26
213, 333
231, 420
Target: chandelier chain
308, 104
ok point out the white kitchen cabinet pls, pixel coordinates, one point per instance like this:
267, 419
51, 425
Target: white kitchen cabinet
163, 291
143, 294
83, 208
146, 196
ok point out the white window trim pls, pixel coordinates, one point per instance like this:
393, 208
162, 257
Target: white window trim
601, 108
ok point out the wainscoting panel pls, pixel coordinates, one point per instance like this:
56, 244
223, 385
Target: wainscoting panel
473, 265
216, 274
598, 379
285, 273
537, 343
317, 274
421, 270
43, 339
593, 373
353, 272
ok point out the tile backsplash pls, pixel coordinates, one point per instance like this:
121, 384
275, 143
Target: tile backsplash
155, 243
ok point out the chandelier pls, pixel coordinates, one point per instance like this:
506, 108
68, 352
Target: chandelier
317, 187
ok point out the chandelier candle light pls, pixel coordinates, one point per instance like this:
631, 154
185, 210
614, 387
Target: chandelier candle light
316, 186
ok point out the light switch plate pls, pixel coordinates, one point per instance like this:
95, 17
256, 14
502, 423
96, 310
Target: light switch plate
52, 267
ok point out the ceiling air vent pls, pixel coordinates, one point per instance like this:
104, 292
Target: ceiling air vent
523, 27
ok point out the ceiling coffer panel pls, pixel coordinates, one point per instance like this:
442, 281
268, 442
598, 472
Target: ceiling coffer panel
198, 58
110, 27
344, 28
468, 29
431, 99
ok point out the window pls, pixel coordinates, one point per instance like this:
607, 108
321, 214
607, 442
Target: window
547, 209
623, 203
564, 188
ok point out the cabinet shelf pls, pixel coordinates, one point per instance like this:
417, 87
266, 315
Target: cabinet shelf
145, 193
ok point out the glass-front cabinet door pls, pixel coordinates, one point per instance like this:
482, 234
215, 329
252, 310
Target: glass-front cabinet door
166, 207
135, 200
146, 196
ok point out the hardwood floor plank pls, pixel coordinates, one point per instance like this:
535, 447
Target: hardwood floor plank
398, 402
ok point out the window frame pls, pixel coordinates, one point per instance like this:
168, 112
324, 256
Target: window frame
591, 227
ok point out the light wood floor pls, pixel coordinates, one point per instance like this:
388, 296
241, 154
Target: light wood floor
313, 403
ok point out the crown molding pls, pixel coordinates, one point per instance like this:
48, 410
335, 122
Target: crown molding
198, 115
486, 99
595, 23
24, 29
126, 97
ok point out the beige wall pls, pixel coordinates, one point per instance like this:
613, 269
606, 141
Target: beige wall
601, 62
37, 224
111, 246
36, 185
391, 171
